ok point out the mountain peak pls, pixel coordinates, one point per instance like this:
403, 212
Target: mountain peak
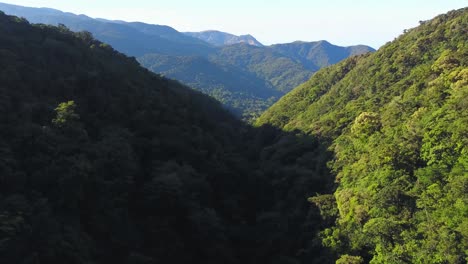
219, 38
324, 42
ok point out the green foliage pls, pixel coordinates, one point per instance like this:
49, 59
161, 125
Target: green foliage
396, 121
242, 92
153, 172
327, 205
347, 259
102, 161
366, 123
244, 78
65, 113
282, 72
248, 79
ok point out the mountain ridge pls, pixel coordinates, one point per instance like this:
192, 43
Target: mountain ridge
121, 35
219, 38
264, 68
103, 161
314, 54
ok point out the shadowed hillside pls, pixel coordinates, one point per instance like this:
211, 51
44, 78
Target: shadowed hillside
102, 161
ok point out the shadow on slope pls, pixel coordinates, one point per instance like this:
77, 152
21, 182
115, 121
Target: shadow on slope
102, 161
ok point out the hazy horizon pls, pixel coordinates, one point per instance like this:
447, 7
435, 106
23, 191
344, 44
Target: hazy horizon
337, 21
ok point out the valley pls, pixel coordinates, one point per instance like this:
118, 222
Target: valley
131, 143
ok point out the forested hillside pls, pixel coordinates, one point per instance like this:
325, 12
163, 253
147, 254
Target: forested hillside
102, 161
282, 72
242, 92
397, 123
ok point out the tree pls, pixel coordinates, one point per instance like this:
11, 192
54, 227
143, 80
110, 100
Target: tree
65, 114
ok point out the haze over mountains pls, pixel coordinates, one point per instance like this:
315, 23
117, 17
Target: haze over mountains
197, 59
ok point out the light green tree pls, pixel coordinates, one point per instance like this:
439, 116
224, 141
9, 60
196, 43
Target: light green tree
65, 113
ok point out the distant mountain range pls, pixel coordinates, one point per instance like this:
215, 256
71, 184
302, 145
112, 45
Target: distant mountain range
134, 39
246, 76
218, 38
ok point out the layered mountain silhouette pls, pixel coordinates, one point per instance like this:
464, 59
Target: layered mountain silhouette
267, 72
133, 39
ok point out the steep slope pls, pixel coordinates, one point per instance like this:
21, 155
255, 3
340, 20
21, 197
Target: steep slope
218, 38
102, 161
316, 55
122, 171
397, 123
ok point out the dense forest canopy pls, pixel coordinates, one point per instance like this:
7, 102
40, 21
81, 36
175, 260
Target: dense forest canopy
103, 161
397, 123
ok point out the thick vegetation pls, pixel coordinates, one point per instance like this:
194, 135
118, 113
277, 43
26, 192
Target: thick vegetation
102, 161
397, 122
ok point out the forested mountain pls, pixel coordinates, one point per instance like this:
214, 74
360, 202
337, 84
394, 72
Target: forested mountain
316, 55
102, 161
242, 92
266, 73
247, 79
279, 70
218, 38
397, 123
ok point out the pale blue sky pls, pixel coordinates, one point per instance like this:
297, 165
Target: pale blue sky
371, 22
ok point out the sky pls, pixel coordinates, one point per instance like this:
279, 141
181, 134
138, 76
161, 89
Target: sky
341, 22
